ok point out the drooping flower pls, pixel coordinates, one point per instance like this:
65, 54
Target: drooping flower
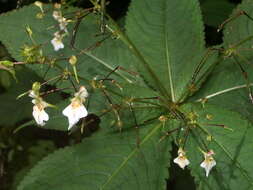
57, 15
39, 113
57, 41
181, 160
76, 110
209, 162
63, 22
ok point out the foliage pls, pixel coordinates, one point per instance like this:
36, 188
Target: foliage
153, 84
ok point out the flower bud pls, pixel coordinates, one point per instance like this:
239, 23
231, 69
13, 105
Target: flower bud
36, 86
73, 60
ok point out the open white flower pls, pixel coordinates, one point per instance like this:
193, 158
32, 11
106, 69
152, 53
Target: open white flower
39, 113
209, 162
76, 110
181, 160
57, 41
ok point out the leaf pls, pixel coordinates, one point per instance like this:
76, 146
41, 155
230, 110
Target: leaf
232, 148
216, 11
13, 110
91, 63
227, 85
239, 29
172, 47
36, 153
109, 161
96, 63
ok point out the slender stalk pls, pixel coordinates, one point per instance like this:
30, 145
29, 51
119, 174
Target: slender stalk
138, 55
243, 41
223, 92
245, 75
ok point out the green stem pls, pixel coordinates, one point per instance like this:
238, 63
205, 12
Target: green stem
223, 92
243, 41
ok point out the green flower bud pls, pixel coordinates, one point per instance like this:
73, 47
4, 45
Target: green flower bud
36, 86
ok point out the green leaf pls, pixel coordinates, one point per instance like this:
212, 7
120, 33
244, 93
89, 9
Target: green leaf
172, 47
238, 31
226, 87
109, 161
227, 84
232, 147
216, 11
100, 61
13, 110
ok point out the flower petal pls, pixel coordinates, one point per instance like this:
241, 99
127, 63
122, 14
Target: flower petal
57, 44
181, 162
208, 162
74, 113
40, 115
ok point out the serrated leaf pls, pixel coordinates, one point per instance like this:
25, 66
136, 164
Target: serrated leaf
109, 161
226, 87
91, 63
169, 42
239, 29
231, 145
227, 84
13, 110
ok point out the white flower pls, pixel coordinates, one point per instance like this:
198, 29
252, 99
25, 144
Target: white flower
209, 162
57, 15
181, 160
57, 41
82, 93
39, 113
33, 94
76, 110
63, 22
